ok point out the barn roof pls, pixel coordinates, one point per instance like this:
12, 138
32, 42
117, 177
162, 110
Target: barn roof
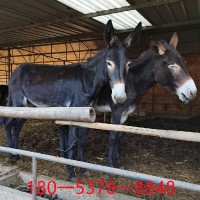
25, 22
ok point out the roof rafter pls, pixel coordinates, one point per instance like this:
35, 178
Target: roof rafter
151, 30
90, 15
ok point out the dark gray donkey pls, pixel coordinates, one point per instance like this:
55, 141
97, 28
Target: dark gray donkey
161, 64
3, 94
72, 85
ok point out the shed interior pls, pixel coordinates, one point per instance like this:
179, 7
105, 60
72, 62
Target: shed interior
52, 32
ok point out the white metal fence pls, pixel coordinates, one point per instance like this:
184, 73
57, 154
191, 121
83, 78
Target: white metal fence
179, 135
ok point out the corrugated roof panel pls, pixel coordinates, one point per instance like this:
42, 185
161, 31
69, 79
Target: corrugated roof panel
165, 13
25, 21
89, 6
122, 20
192, 9
152, 15
178, 12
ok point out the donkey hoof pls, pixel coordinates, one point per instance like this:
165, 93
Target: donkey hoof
86, 174
17, 157
119, 164
73, 179
121, 167
109, 165
10, 156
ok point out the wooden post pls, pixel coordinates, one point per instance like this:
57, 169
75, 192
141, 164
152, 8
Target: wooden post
170, 134
86, 114
9, 71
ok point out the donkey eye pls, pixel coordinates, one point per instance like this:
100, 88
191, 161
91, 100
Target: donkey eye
174, 66
129, 64
110, 64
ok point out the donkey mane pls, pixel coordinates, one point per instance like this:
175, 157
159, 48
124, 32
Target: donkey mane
144, 57
92, 61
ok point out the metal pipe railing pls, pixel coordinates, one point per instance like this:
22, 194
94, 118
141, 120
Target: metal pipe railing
100, 168
34, 171
86, 114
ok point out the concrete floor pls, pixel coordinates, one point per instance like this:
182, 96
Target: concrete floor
12, 176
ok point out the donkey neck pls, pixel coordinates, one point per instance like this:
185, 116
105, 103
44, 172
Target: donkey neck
94, 73
141, 75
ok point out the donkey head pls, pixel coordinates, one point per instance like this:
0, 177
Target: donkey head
117, 61
170, 70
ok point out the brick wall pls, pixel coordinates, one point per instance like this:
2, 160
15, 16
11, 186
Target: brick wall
159, 100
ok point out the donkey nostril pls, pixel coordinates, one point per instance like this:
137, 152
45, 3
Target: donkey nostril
193, 93
120, 99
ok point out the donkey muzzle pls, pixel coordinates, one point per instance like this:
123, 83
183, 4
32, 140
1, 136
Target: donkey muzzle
187, 91
118, 93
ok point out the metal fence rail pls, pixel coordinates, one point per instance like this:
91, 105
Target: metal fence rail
170, 134
100, 168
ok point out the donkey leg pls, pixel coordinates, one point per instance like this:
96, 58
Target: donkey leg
82, 135
112, 141
16, 131
63, 140
115, 118
117, 160
8, 129
116, 157
72, 141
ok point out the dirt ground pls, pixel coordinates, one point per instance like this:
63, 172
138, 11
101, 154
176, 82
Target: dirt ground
161, 157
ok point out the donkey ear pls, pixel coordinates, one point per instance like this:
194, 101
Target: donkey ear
133, 36
158, 47
109, 34
174, 40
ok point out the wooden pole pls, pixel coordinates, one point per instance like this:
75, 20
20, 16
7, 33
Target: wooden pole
170, 134
86, 114
9, 71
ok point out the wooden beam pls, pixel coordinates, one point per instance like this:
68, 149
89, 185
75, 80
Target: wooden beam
170, 134
199, 6
44, 40
171, 13
86, 114
151, 30
9, 63
184, 11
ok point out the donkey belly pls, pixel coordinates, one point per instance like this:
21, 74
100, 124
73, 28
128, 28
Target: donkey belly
51, 95
103, 108
44, 85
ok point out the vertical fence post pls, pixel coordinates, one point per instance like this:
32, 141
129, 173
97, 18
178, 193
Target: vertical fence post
9, 72
34, 174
